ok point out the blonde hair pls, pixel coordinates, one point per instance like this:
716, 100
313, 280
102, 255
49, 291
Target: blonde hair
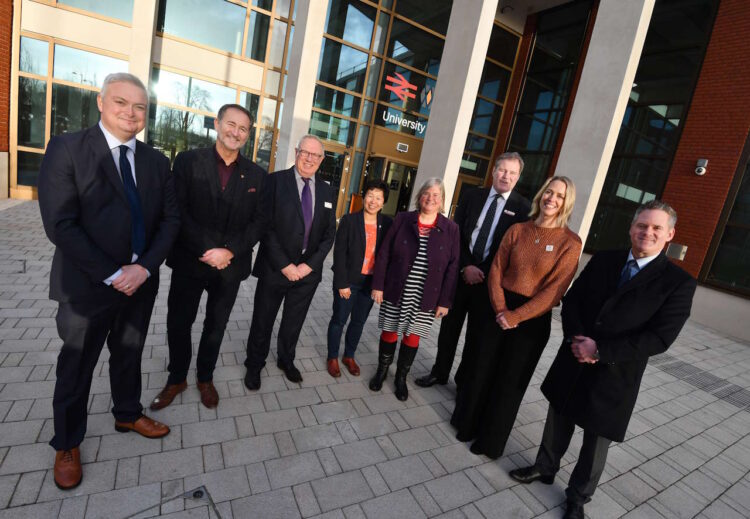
430, 182
570, 199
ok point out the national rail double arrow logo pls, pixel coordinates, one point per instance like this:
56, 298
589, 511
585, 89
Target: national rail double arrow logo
401, 87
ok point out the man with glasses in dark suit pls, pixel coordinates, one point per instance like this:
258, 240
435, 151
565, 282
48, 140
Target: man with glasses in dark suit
299, 232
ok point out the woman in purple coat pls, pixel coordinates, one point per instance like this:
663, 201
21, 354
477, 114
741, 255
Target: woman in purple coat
420, 256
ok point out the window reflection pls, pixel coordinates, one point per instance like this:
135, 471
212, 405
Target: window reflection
278, 37
84, 67
435, 17
373, 77
332, 128
351, 21
503, 46
335, 101
342, 66
494, 82
172, 131
28, 168
214, 23
381, 32
251, 102
257, 37
73, 109
415, 47
31, 111
120, 9
169, 87
33, 56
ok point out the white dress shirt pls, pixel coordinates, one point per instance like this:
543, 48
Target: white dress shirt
498, 212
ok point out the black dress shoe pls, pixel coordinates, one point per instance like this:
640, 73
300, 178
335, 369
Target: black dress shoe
573, 510
252, 380
429, 380
530, 474
292, 373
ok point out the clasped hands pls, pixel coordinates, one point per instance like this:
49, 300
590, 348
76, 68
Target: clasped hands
296, 272
219, 258
584, 348
131, 278
377, 296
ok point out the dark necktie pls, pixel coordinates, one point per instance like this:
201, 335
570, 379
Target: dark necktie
631, 269
484, 231
307, 210
137, 227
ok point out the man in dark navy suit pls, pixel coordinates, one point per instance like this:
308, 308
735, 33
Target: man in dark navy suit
108, 205
300, 229
219, 192
483, 217
624, 307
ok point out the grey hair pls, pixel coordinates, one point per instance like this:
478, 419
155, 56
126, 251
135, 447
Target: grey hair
123, 77
430, 182
310, 137
659, 206
509, 155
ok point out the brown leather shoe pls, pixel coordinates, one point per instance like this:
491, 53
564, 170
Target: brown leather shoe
68, 473
209, 396
165, 397
144, 426
333, 368
351, 365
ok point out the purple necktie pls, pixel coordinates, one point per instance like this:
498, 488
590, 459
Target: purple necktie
307, 210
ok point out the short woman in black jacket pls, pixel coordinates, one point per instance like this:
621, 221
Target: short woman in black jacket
357, 240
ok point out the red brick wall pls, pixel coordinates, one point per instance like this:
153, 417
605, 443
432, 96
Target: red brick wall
6, 25
716, 129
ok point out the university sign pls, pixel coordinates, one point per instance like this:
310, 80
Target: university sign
404, 90
390, 118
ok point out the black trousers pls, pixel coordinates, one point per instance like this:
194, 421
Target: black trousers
271, 291
83, 328
184, 297
558, 430
471, 300
487, 405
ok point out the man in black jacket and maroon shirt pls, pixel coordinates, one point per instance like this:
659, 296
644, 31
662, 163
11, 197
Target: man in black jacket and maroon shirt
218, 191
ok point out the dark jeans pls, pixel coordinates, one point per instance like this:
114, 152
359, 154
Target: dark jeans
358, 306
184, 297
84, 328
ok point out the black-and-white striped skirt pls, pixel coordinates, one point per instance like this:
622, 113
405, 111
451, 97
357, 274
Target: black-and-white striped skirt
406, 317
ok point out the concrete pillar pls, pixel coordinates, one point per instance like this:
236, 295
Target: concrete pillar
142, 42
300, 84
603, 91
456, 90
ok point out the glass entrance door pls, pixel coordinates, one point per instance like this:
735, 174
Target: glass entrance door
400, 180
335, 170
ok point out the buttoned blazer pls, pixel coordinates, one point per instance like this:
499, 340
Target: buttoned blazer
467, 214
281, 243
399, 250
86, 214
349, 248
629, 324
204, 226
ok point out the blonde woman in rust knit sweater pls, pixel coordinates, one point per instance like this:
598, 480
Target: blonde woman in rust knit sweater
531, 271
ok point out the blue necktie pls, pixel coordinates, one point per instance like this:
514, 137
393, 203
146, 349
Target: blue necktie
307, 210
484, 231
137, 227
631, 269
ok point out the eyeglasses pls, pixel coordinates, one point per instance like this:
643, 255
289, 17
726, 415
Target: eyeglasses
305, 154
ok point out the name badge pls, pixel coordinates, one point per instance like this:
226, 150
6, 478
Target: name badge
548, 248
509, 212
328, 205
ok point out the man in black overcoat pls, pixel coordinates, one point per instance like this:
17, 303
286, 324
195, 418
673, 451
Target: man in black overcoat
624, 307
219, 192
300, 215
482, 216
108, 205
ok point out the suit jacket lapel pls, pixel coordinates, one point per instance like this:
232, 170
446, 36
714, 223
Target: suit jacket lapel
380, 234
103, 156
319, 202
142, 176
291, 186
476, 210
360, 226
208, 168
